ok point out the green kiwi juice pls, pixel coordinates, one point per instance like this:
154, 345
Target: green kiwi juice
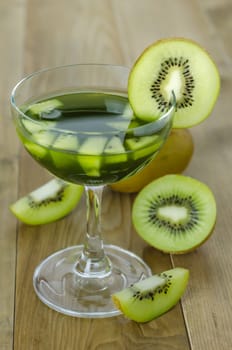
87, 137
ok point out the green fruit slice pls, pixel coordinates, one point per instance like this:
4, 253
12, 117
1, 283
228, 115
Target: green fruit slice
143, 146
136, 143
64, 149
115, 151
39, 143
178, 65
66, 142
35, 150
153, 296
35, 126
48, 203
89, 156
45, 110
174, 213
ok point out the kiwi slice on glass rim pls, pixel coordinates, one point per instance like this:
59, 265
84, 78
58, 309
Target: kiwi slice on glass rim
176, 65
175, 213
152, 296
48, 203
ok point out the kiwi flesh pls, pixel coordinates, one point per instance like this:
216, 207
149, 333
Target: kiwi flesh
45, 110
116, 151
179, 65
143, 146
48, 203
41, 140
175, 213
89, 155
153, 296
33, 127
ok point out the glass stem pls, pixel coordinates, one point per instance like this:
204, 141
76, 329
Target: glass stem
93, 261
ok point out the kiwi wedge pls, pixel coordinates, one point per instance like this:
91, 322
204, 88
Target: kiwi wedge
176, 65
89, 155
174, 213
48, 203
153, 296
41, 141
115, 150
45, 110
143, 146
32, 127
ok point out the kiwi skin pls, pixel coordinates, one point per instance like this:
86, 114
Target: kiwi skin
145, 304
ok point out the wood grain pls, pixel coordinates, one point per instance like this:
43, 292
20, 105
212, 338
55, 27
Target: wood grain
48, 33
11, 38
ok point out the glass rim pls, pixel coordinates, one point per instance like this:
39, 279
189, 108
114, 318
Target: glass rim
156, 124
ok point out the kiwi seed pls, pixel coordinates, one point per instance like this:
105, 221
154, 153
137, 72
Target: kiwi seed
183, 65
138, 295
173, 227
46, 201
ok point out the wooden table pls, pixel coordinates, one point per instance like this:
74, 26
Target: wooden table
35, 34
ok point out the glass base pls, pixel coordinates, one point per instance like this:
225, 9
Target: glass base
60, 287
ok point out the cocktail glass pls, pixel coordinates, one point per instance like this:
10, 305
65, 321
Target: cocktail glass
80, 280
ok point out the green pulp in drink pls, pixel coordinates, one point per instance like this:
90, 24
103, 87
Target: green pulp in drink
87, 137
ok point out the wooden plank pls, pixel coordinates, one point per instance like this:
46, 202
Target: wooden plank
11, 38
219, 15
207, 303
116, 32
90, 31
77, 32
150, 21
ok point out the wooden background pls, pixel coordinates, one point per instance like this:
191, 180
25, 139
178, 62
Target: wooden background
38, 33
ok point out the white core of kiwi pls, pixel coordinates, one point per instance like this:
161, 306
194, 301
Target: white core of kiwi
49, 190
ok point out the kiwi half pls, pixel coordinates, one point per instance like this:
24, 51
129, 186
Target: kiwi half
179, 65
48, 203
174, 213
153, 296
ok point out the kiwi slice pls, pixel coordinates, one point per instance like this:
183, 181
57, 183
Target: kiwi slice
174, 213
89, 156
36, 137
153, 296
48, 203
46, 109
64, 149
37, 151
33, 127
174, 65
143, 146
38, 143
116, 151
66, 142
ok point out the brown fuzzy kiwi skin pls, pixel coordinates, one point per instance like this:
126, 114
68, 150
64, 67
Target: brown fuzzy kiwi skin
194, 43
